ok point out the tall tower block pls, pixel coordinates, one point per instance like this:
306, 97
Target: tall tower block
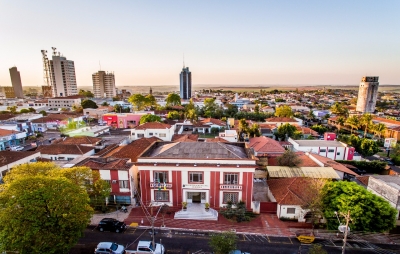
185, 84
103, 84
367, 94
16, 82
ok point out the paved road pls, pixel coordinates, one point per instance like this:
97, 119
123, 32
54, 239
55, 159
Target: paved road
185, 242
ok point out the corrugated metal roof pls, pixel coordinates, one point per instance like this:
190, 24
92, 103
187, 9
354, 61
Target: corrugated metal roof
313, 172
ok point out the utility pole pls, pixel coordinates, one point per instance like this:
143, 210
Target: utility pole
152, 218
347, 217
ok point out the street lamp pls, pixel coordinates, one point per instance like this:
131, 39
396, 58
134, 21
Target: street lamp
344, 228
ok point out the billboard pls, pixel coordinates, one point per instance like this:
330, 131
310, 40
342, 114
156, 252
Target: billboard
390, 143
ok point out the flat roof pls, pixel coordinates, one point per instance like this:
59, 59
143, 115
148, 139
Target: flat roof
319, 143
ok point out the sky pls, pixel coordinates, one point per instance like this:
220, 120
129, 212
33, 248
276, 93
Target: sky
222, 42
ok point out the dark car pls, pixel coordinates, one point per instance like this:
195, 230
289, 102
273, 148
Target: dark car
110, 224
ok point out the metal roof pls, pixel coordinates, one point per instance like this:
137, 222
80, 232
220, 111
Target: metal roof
313, 172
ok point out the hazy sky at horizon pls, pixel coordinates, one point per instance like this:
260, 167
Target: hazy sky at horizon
224, 42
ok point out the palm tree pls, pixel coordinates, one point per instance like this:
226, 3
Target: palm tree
366, 120
379, 129
353, 122
340, 122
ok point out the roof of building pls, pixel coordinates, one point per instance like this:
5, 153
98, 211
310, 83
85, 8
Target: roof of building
198, 150
306, 130
281, 119
214, 121
185, 137
265, 145
5, 132
6, 116
153, 125
69, 97
331, 163
79, 140
108, 163
291, 191
51, 118
319, 143
64, 149
363, 180
313, 172
393, 181
132, 150
7, 157
216, 139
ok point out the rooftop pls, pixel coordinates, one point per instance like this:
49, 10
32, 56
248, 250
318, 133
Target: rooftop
319, 143
281, 119
132, 150
266, 145
7, 157
64, 149
153, 125
312, 172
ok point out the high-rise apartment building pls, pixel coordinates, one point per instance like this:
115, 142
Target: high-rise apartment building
63, 79
185, 83
367, 94
103, 84
16, 82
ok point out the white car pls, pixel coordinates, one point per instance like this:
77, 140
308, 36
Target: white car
16, 148
109, 248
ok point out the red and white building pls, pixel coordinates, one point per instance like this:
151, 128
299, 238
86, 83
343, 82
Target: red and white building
196, 172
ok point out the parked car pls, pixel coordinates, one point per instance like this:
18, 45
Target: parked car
238, 252
110, 224
109, 248
51, 139
16, 148
146, 247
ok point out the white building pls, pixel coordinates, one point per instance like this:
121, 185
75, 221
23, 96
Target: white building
15, 159
64, 102
104, 84
64, 152
63, 79
332, 149
153, 129
229, 135
367, 94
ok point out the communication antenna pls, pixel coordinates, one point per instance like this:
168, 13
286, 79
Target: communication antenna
183, 60
47, 82
54, 50
100, 65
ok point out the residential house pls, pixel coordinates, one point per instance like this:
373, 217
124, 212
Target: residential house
229, 135
278, 121
64, 152
11, 138
94, 142
53, 122
344, 172
124, 120
91, 131
10, 159
153, 129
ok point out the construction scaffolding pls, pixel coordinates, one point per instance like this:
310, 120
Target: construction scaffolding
47, 77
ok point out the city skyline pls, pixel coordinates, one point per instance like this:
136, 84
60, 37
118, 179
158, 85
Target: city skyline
224, 43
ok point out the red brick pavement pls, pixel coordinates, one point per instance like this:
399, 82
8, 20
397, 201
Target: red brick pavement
267, 224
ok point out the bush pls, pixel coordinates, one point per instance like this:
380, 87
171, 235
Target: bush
372, 167
239, 213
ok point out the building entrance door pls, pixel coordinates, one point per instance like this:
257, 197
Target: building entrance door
196, 197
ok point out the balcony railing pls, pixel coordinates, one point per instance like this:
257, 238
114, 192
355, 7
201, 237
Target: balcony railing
160, 185
230, 187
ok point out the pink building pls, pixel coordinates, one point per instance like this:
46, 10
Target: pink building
124, 120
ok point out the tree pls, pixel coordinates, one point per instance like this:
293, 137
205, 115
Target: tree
243, 128
340, 122
173, 99
32, 110
87, 93
50, 209
368, 147
105, 104
151, 101
210, 107
150, 118
289, 159
88, 104
173, 115
339, 109
223, 243
191, 112
254, 130
77, 108
369, 212
138, 101
311, 115
231, 110
353, 122
284, 111
23, 111
12, 109
285, 130
319, 128
366, 120
379, 129
44, 113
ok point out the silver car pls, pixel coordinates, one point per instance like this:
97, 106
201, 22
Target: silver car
109, 248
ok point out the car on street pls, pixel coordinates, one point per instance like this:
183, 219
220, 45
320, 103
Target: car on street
111, 224
16, 148
109, 248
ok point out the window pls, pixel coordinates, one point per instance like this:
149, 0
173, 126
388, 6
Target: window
123, 184
140, 135
161, 177
231, 178
150, 133
162, 135
291, 211
230, 196
338, 153
196, 177
322, 150
161, 195
331, 150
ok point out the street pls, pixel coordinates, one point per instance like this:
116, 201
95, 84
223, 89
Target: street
185, 242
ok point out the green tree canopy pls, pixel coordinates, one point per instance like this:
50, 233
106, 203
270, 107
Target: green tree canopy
105, 104
49, 208
223, 243
88, 104
12, 109
138, 101
173, 115
284, 111
173, 99
286, 130
210, 107
44, 113
320, 129
151, 101
368, 211
366, 121
87, 93
353, 122
289, 159
339, 109
24, 110
150, 118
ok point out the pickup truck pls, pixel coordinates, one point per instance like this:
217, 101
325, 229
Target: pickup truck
146, 247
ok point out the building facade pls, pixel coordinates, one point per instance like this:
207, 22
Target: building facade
367, 94
16, 82
104, 84
64, 102
185, 84
9, 92
196, 172
63, 79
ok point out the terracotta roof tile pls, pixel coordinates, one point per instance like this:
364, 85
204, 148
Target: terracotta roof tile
80, 140
281, 119
331, 163
64, 149
4, 132
266, 145
109, 163
185, 137
217, 139
363, 179
7, 157
214, 121
134, 149
153, 125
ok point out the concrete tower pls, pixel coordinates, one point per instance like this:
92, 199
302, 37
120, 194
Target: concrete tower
16, 82
367, 94
104, 84
185, 83
63, 79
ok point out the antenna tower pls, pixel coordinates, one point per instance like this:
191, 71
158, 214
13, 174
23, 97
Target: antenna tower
46, 88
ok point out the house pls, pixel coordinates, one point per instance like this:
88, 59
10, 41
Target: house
214, 123
185, 137
196, 173
291, 194
97, 113
278, 121
64, 152
332, 149
53, 121
11, 138
344, 172
268, 130
10, 159
92, 131
229, 135
307, 132
263, 146
385, 186
124, 120
153, 129
94, 142
116, 172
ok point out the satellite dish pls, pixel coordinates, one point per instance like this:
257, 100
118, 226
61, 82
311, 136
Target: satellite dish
342, 228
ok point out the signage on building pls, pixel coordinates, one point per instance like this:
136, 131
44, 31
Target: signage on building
195, 186
390, 143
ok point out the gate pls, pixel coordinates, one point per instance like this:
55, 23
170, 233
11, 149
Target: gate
268, 207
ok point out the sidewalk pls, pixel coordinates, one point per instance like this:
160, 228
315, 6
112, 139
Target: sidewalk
119, 215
